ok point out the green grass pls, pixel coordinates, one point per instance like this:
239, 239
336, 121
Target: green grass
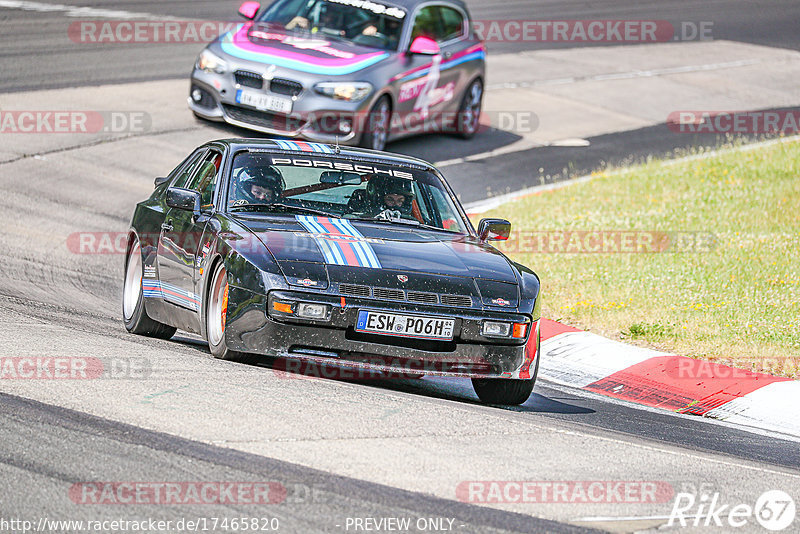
735, 299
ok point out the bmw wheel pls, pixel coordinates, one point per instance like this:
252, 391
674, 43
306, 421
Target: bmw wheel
377, 125
469, 113
217, 315
134, 314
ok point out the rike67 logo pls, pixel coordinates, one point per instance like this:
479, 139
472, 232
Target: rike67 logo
774, 510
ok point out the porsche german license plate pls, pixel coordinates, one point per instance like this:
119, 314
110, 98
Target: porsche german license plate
392, 324
264, 102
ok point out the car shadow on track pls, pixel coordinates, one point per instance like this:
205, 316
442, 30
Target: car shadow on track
454, 389
429, 146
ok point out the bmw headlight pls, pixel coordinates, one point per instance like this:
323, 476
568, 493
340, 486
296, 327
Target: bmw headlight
209, 62
348, 91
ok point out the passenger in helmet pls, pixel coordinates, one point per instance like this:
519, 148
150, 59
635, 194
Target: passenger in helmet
256, 182
388, 196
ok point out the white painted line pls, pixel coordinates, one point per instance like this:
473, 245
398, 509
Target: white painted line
78, 11
627, 75
571, 142
516, 146
481, 206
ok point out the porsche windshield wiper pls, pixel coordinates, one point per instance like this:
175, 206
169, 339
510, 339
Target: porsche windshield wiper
280, 206
406, 222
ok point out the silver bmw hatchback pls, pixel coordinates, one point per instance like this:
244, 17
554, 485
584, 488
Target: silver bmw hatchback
357, 72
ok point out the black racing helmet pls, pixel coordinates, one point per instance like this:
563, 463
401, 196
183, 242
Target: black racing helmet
379, 186
256, 171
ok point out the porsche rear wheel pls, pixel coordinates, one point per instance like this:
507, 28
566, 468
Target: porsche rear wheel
134, 314
217, 315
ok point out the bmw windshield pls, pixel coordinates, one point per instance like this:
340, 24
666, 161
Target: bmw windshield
363, 22
386, 194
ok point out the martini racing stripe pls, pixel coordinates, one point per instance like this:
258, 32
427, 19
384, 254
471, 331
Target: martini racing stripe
170, 293
302, 146
340, 242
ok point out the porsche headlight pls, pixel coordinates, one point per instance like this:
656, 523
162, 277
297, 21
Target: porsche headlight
210, 62
348, 91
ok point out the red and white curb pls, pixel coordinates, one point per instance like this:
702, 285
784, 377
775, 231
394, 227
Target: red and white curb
677, 383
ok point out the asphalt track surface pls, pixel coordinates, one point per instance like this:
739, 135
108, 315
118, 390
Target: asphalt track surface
57, 303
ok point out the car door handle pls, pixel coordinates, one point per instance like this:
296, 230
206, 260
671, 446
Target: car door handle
166, 227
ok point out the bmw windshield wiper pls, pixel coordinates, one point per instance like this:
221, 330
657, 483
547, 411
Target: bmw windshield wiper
280, 206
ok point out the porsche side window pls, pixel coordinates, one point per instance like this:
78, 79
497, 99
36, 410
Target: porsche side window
204, 178
189, 166
452, 24
445, 210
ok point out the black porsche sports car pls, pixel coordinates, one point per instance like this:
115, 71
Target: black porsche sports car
333, 256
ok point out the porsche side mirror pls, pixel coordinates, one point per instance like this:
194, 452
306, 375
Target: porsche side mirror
494, 229
425, 46
184, 199
249, 10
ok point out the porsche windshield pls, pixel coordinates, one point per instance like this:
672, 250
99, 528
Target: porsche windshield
281, 184
367, 23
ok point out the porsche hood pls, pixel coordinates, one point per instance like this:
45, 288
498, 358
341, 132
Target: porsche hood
316, 251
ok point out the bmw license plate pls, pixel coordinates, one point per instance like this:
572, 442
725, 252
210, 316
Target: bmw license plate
264, 102
392, 324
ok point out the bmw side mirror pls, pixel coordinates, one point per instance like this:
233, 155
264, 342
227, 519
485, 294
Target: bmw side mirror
184, 199
249, 10
425, 46
494, 229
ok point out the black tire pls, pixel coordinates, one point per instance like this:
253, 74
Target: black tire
469, 112
215, 315
134, 314
377, 125
507, 391
502, 391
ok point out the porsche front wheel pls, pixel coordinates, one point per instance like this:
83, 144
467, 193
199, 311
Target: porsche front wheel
502, 391
217, 315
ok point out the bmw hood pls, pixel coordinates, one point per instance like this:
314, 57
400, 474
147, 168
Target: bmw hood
304, 52
315, 251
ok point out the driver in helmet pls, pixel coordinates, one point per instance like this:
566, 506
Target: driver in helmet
257, 183
390, 197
